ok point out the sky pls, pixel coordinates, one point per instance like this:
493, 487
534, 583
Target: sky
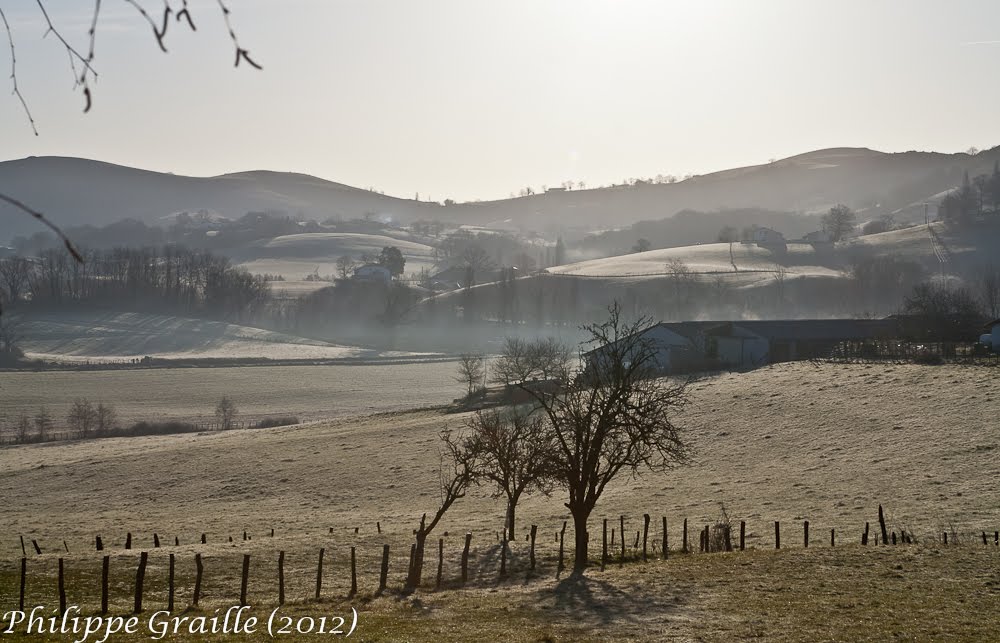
476, 99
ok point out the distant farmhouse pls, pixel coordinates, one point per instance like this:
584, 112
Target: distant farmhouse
372, 272
768, 237
685, 347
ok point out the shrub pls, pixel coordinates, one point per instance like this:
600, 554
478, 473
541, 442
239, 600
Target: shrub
928, 358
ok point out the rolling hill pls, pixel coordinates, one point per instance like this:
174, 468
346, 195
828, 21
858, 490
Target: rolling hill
296, 255
79, 191
115, 336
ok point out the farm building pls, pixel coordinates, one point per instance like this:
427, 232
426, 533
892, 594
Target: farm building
684, 347
373, 272
768, 237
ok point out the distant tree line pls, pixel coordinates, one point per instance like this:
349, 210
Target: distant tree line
975, 197
150, 279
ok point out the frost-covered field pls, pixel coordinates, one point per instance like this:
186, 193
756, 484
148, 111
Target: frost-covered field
744, 263
190, 394
109, 337
297, 255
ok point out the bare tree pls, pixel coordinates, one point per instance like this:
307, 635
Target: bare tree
82, 418
225, 412
104, 418
43, 424
471, 371
516, 362
839, 221
345, 266
613, 419
512, 451
22, 427
453, 485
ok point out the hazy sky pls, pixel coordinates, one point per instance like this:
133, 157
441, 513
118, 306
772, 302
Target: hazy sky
476, 98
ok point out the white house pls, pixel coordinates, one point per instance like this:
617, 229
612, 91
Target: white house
372, 272
767, 236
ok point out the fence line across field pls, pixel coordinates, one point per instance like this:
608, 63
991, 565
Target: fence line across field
497, 561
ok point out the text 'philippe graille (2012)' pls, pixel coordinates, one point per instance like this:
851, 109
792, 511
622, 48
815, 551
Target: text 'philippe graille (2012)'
161, 625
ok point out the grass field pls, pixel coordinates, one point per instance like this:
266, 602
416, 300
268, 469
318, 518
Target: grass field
826, 443
190, 394
851, 593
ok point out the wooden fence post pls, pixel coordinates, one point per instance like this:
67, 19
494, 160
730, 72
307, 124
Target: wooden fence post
864, 537
62, 588
105, 565
177, 541
946, 537
833, 538
805, 534
34, 543
684, 542
996, 538
384, 575
437, 582
621, 532
281, 578
645, 534
319, 574
24, 575
98, 543
465, 557
604, 545
128, 540
665, 538
170, 585
743, 535
534, 530
503, 557
244, 579
203, 539
562, 535
156, 540
140, 576
726, 538
984, 537
23, 552
881, 523
354, 573
378, 526
199, 571
777, 535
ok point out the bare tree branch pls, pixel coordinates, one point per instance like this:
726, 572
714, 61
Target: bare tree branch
13, 73
240, 52
41, 217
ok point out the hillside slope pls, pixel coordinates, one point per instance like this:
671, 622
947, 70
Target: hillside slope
78, 191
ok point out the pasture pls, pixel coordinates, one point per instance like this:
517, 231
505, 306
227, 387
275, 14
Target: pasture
826, 443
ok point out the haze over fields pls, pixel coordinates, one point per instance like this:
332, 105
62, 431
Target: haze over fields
79, 191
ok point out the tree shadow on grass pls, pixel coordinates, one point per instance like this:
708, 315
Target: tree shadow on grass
592, 600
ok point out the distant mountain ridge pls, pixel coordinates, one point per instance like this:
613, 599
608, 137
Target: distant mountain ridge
76, 191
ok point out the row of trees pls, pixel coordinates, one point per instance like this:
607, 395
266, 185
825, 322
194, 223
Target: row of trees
972, 198
166, 278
